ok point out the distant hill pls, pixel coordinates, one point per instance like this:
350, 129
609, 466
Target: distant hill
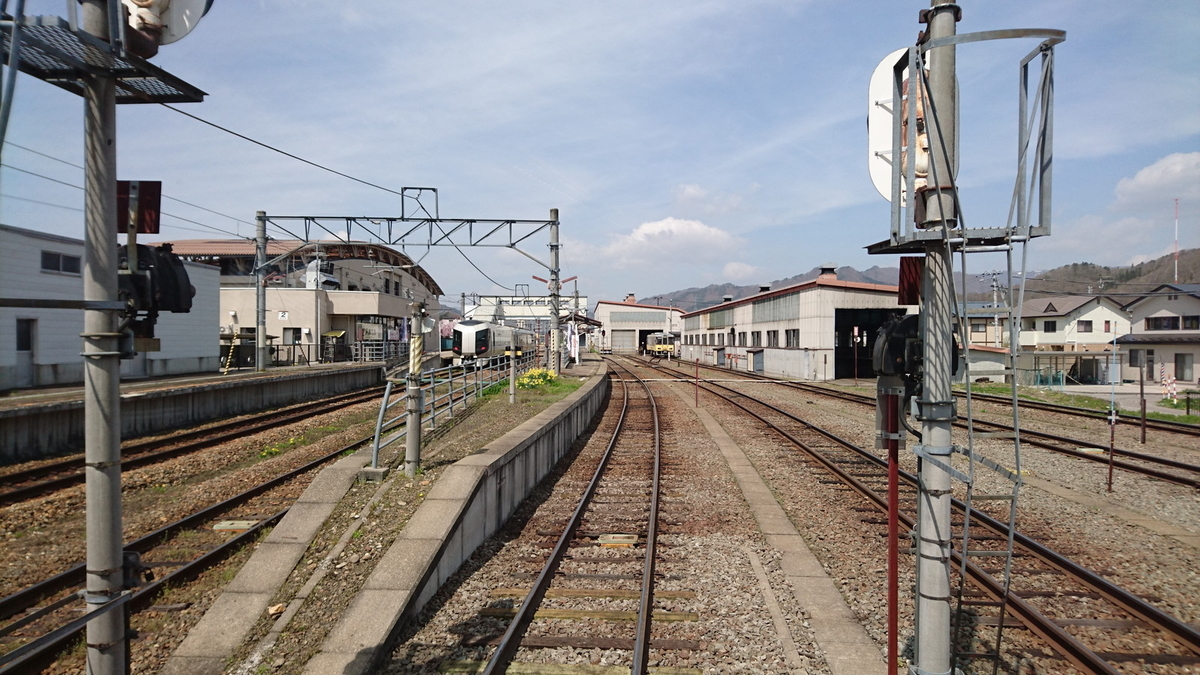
1074, 279
691, 299
1087, 278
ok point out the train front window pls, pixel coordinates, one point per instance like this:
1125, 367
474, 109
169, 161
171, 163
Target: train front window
481, 341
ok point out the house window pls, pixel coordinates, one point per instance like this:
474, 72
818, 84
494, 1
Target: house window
1135, 358
792, 335
60, 262
1183, 367
978, 327
1084, 326
1162, 323
1108, 326
1191, 323
756, 338
1050, 327
772, 338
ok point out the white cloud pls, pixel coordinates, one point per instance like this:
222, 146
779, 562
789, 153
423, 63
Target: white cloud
690, 196
671, 241
737, 271
1137, 225
1155, 187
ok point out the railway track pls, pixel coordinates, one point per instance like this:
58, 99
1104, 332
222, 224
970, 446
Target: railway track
39, 617
1053, 594
1145, 464
614, 526
22, 485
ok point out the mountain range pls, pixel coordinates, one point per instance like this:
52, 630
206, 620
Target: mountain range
1085, 278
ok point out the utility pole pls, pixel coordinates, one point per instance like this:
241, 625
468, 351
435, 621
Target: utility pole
555, 355
107, 649
413, 404
464, 304
1176, 240
936, 406
260, 298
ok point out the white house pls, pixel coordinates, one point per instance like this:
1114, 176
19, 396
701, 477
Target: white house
1165, 339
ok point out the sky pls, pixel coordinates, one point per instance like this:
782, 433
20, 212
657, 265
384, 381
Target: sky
683, 143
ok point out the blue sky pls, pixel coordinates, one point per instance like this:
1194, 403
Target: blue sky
684, 143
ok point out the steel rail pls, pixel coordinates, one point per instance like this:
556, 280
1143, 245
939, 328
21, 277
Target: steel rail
1039, 439
511, 641
1169, 426
195, 440
74, 576
53, 644
1067, 645
641, 641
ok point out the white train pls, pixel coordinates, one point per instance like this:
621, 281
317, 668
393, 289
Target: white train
474, 340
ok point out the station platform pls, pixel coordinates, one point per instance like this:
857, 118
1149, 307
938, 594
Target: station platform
47, 422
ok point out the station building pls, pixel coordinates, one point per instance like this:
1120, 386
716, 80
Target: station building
325, 301
625, 326
821, 329
41, 347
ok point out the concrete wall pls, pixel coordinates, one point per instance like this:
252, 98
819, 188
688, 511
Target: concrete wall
40, 431
468, 504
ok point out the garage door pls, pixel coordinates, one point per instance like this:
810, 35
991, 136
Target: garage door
624, 340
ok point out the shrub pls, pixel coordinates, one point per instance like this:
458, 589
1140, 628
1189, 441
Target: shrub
536, 377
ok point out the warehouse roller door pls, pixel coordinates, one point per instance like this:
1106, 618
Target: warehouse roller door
624, 340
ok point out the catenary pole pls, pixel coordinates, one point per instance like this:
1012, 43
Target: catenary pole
260, 296
936, 407
555, 355
107, 649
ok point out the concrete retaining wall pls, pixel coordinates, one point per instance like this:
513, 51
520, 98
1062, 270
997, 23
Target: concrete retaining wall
50, 429
468, 504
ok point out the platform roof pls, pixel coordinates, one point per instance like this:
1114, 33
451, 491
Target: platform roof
330, 250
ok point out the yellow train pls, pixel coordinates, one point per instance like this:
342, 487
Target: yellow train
660, 344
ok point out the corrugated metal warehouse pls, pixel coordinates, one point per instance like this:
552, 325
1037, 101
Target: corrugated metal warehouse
818, 330
625, 325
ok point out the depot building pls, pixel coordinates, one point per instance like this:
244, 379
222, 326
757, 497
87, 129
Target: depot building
821, 329
625, 326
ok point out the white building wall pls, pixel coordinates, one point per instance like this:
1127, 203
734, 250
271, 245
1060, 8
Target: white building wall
193, 342
815, 312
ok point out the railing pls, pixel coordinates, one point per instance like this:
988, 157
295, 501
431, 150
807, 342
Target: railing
378, 350
441, 391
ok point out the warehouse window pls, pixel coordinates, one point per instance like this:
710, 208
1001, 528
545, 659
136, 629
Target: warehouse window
756, 338
742, 339
792, 335
60, 262
772, 338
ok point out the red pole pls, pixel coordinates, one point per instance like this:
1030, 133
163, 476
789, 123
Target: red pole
892, 427
1112, 442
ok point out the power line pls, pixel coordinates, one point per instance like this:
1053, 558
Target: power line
282, 152
80, 187
82, 168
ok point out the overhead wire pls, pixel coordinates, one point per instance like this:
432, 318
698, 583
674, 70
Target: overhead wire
80, 187
282, 152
